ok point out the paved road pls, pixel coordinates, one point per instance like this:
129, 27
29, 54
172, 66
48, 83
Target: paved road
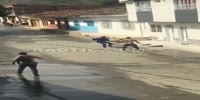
77, 69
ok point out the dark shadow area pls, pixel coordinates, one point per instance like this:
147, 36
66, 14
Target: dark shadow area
33, 88
36, 88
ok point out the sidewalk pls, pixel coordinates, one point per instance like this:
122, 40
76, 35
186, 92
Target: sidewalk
145, 40
177, 46
193, 48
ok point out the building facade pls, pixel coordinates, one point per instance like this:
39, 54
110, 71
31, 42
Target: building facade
11, 18
104, 20
46, 23
167, 20
108, 25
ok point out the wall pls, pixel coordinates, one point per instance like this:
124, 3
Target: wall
163, 11
198, 10
118, 30
164, 14
81, 25
131, 10
193, 31
39, 23
98, 29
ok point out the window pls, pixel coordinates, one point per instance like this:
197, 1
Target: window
170, 27
45, 22
156, 28
107, 24
143, 6
127, 25
185, 4
76, 23
90, 23
52, 21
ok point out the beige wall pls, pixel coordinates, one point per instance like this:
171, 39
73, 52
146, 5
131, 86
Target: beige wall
131, 10
163, 11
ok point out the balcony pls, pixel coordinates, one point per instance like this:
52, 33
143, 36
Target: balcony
143, 6
185, 4
144, 11
186, 11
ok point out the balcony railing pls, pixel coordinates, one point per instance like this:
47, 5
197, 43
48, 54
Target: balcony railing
185, 6
143, 6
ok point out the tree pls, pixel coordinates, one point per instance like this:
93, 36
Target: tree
3, 11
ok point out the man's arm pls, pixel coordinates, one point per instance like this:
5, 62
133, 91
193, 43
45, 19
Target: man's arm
15, 60
119, 41
137, 41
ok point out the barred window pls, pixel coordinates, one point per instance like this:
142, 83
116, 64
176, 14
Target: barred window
76, 23
107, 24
143, 5
128, 25
185, 4
156, 28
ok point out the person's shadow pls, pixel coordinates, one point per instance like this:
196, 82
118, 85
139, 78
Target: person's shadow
33, 88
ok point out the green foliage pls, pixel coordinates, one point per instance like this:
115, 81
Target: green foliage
3, 11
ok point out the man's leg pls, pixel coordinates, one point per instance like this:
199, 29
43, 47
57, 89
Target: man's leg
104, 45
34, 70
21, 69
109, 44
135, 46
125, 46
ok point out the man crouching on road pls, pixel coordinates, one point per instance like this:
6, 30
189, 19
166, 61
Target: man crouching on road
24, 60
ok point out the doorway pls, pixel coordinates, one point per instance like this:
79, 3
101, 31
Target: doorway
169, 30
183, 34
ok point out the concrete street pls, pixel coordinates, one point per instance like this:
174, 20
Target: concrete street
75, 68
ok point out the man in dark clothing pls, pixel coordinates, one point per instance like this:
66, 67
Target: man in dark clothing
128, 41
104, 41
24, 60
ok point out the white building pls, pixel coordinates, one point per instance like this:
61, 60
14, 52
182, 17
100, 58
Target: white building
168, 20
108, 25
